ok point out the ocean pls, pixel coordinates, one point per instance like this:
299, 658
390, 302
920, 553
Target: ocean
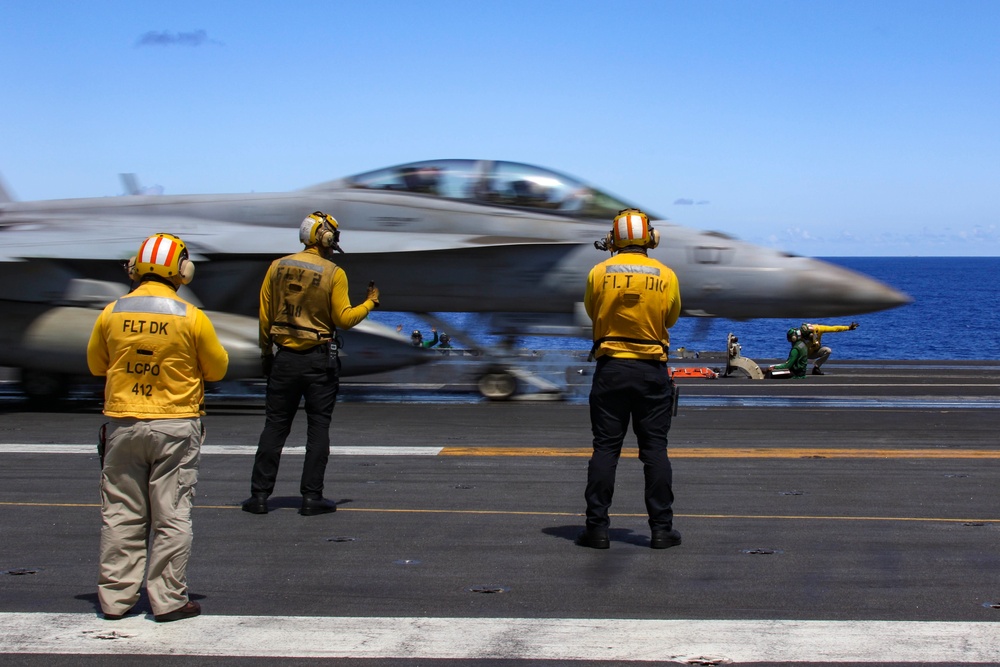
955, 315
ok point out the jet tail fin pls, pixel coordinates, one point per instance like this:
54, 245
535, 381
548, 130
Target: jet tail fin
131, 183
5, 196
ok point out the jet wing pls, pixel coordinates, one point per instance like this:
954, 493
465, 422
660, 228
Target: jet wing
415, 271
469, 278
118, 237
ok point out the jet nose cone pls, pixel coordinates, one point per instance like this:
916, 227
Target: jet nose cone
845, 292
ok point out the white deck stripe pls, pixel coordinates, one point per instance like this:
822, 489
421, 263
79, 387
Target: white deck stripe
506, 638
245, 450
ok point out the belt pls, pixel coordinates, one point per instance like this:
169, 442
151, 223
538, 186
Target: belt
624, 339
608, 357
309, 350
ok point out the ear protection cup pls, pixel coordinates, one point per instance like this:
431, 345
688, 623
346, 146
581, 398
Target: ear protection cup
133, 273
326, 237
186, 270
654, 238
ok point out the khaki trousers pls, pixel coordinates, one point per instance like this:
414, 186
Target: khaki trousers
820, 355
147, 485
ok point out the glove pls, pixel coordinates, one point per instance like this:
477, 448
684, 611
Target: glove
266, 362
373, 293
854, 325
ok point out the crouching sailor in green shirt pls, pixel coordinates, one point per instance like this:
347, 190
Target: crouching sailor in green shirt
798, 356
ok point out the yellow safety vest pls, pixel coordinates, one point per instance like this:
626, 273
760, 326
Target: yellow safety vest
632, 300
303, 300
156, 351
301, 288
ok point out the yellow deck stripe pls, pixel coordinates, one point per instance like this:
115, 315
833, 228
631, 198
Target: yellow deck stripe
738, 452
630, 450
484, 512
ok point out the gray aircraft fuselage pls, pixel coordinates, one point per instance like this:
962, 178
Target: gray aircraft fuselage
429, 254
436, 236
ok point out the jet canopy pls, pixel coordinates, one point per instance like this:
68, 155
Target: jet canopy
497, 183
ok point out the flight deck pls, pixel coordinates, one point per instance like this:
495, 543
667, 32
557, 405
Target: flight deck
847, 518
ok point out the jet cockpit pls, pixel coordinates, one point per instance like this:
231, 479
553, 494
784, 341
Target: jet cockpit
497, 183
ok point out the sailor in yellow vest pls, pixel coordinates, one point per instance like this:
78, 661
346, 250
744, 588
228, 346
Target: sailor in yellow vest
812, 335
632, 300
303, 301
156, 351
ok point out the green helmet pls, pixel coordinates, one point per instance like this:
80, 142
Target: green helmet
792, 335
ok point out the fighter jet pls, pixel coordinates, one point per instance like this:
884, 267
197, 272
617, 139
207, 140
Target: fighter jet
436, 236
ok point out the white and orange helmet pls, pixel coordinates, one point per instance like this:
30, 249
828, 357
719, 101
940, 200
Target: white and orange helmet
631, 227
164, 255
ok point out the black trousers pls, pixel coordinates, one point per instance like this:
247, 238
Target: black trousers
639, 390
294, 376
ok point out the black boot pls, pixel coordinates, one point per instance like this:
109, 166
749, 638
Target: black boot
594, 537
313, 506
256, 504
664, 539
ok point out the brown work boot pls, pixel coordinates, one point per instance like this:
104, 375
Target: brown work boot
190, 610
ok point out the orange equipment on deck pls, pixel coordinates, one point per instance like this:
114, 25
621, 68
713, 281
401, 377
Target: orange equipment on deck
697, 372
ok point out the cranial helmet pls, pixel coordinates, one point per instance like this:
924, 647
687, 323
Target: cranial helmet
806, 329
320, 229
792, 335
631, 227
164, 255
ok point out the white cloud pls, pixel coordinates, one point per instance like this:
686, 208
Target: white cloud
167, 38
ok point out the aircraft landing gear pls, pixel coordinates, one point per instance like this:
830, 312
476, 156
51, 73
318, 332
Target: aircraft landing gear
500, 378
497, 384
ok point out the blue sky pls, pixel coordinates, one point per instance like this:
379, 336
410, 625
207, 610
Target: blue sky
822, 128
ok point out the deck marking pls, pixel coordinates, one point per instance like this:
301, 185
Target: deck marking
237, 450
739, 452
529, 639
552, 513
628, 451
